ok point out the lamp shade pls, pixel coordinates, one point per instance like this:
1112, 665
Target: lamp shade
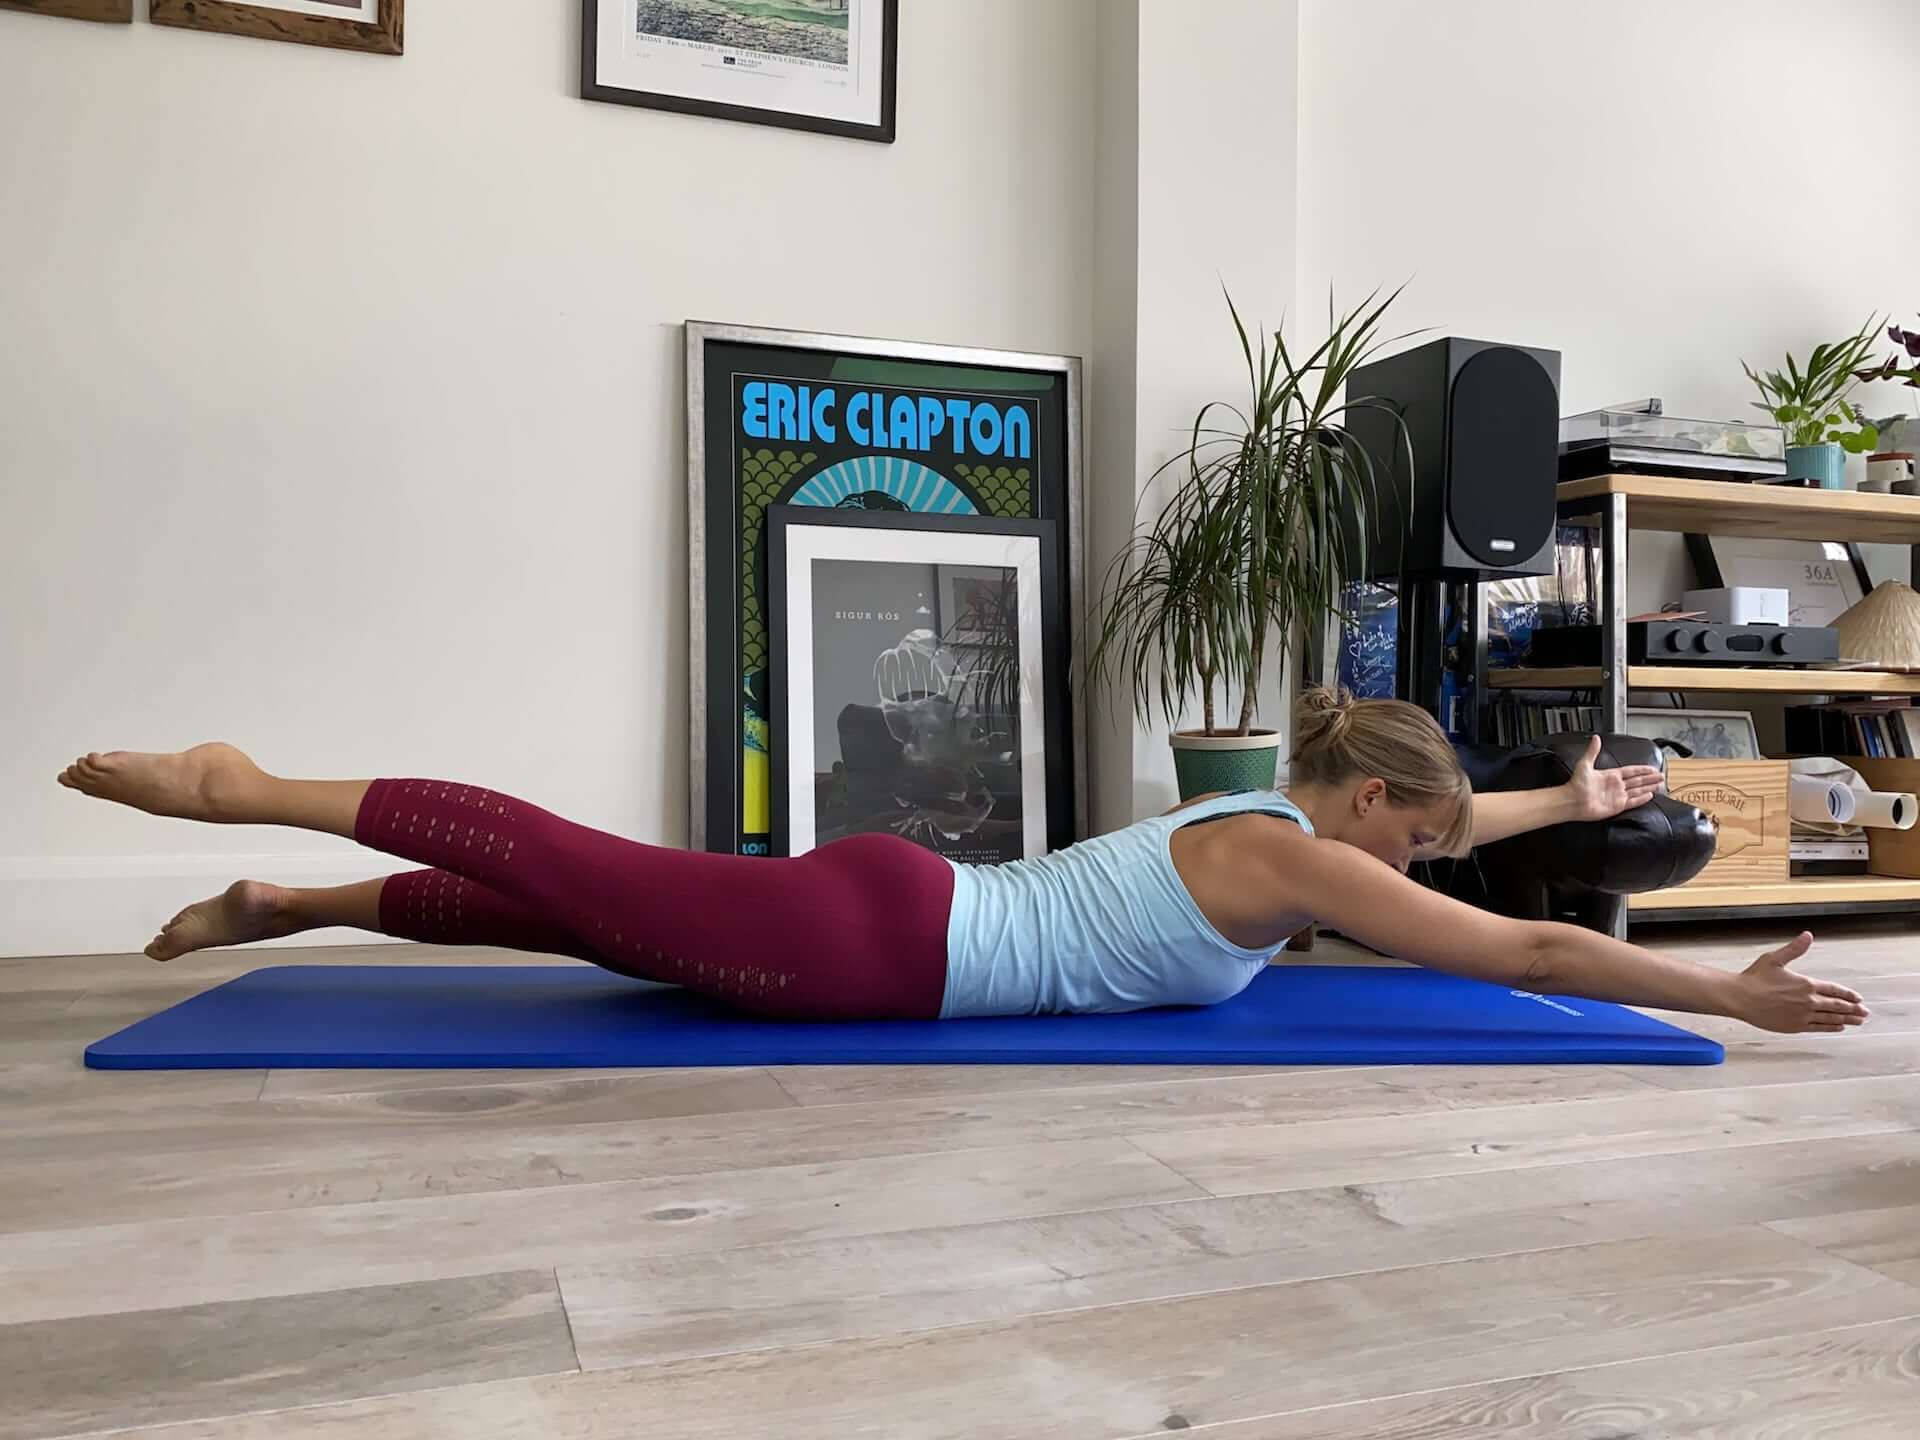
1884, 628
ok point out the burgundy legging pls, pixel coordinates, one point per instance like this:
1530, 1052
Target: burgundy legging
854, 930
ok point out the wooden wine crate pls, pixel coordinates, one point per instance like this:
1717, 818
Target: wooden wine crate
1890, 852
1749, 799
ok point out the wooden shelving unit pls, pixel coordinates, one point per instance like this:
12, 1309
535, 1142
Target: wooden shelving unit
1751, 679
1777, 512
1816, 895
1620, 503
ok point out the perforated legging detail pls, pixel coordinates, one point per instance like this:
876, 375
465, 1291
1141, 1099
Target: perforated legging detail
854, 930
438, 907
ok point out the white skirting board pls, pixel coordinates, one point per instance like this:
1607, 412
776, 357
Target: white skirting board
109, 905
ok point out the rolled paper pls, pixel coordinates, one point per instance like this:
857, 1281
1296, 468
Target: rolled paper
1889, 809
1820, 802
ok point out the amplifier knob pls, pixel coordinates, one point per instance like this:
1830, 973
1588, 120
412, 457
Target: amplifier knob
1676, 639
1783, 643
1708, 642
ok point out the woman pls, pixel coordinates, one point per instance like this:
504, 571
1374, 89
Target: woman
1185, 908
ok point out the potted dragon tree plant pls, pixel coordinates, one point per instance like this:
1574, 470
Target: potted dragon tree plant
1267, 520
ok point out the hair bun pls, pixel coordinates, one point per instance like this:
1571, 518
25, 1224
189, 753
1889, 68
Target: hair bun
1331, 706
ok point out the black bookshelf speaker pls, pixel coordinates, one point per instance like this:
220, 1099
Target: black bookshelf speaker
1483, 422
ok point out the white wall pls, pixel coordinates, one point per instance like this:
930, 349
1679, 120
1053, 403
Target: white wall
340, 400
1112, 376
1654, 189
1196, 192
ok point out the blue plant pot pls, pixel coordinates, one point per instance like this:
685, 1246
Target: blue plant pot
1824, 465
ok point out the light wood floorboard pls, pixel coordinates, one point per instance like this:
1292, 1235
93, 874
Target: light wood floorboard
1249, 1158
666, 1307
106, 1372
1887, 1240
1857, 1383
1134, 1369
142, 1264
1587, 1252
212, 1159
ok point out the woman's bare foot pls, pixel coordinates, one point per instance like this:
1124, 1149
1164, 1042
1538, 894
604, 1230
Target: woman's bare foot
209, 782
248, 910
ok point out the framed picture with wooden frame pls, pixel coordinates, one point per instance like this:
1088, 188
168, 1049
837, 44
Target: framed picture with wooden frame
113, 12
375, 26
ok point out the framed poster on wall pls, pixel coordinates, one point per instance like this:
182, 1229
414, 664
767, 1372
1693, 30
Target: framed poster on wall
115, 12
824, 65
779, 417
377, 26
919, 683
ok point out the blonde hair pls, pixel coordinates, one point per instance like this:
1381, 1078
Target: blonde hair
1336, 738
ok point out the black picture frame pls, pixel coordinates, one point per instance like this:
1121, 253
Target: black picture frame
592, 87
734, 477
1056, 643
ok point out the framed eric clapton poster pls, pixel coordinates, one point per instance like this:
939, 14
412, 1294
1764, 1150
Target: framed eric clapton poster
789, 418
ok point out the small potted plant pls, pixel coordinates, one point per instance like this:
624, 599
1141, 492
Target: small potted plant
1900, 432
1251, 545
1810, 405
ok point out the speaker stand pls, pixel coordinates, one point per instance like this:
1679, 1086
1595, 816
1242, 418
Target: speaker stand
1423, 656
1420, 643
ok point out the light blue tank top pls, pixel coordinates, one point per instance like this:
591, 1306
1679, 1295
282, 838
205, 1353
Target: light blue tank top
1104, 925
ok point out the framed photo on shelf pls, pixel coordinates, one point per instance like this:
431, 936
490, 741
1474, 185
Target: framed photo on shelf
919, 682
823, 65
376, 26
840, 424
1709, 734
1822, 578
113, 12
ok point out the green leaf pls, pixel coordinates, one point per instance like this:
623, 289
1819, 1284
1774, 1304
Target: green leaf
1252, 540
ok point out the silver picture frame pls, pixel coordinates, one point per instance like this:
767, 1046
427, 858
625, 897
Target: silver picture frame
1701, 731
894, 715
699, 335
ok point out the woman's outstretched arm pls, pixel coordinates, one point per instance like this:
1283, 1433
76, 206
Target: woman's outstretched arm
1349, 890
1589, 794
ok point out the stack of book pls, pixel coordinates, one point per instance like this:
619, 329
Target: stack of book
1521, 723
1882, 729
1813, 854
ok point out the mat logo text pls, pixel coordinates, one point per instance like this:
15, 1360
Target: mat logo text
1554, 1004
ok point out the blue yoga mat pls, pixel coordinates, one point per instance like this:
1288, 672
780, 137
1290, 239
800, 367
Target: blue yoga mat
421, 1017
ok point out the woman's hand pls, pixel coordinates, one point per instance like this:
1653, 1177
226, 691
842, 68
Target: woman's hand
1773, 997
1602, 794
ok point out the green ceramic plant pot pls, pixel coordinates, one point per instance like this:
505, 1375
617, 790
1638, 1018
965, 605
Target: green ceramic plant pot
1823, 465
1205, 763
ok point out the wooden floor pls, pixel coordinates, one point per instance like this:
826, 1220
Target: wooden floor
823, 1254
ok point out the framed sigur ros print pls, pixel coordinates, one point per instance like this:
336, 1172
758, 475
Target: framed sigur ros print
791, 418
376, 26
823, 65
918, 682
114, 12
